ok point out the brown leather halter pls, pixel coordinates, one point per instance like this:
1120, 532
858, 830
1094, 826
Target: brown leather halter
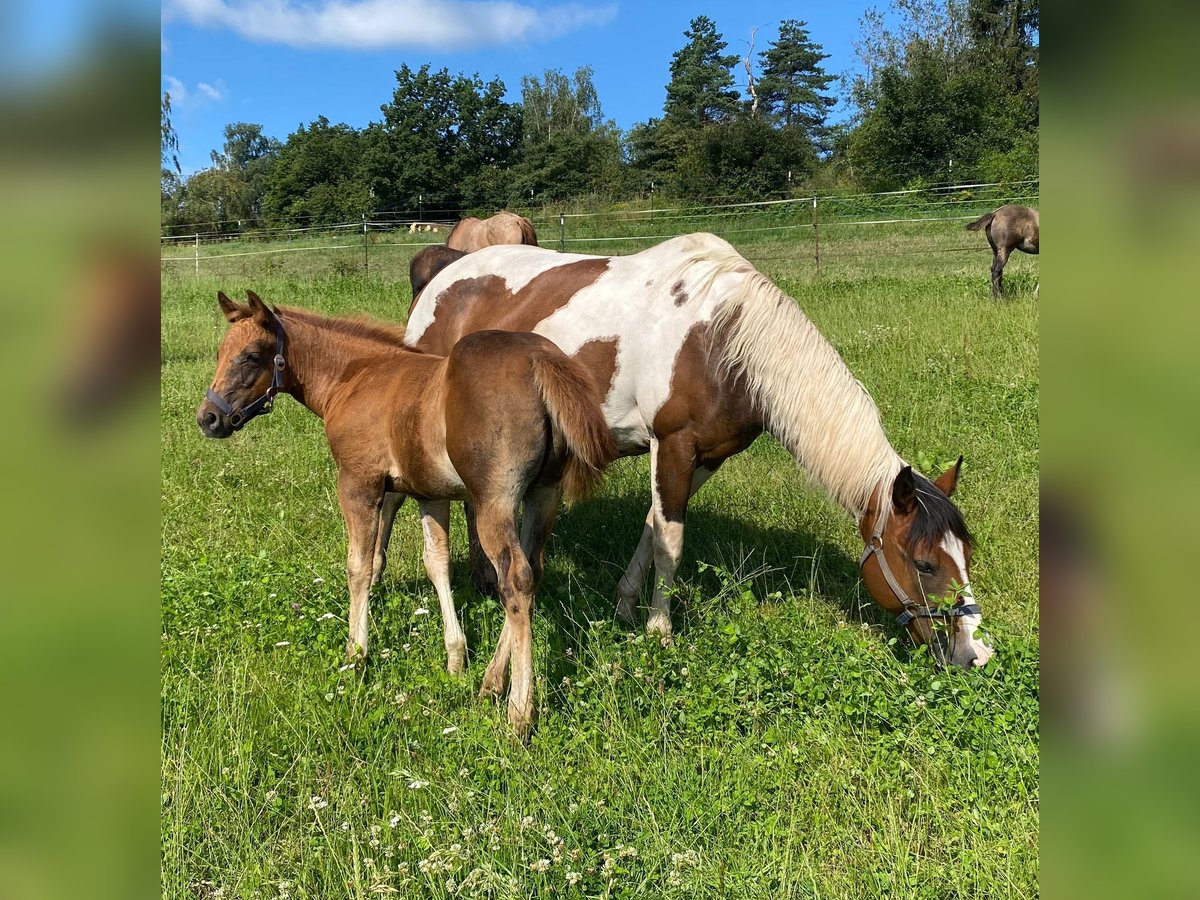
912, 609
265, 403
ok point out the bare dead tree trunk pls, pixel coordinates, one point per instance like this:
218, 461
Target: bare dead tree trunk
750, 74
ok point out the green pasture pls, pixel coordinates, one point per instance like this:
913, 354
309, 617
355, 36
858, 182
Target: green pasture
788, 743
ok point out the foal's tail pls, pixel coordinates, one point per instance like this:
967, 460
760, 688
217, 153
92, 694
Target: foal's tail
528, 235
571, 399
982, 222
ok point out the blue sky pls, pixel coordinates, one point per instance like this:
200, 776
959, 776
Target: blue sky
281, 63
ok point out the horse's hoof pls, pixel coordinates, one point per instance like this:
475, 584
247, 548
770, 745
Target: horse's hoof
491, 689
456, 660
659, 625
522, 724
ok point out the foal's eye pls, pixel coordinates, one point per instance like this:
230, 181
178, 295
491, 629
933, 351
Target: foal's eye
924, 567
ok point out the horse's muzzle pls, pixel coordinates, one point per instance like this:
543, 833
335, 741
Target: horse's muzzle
212, 423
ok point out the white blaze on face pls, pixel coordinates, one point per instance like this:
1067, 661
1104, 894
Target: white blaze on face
966, 646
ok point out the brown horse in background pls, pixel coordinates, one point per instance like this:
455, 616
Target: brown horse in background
472, 234
1011, 227
427, 262
504, 418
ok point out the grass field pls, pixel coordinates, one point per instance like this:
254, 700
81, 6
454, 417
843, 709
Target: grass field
789, 743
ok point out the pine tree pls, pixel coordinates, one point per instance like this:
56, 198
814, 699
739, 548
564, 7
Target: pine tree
792, 84
701, 91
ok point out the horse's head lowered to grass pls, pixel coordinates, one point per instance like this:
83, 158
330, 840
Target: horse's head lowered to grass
916, 565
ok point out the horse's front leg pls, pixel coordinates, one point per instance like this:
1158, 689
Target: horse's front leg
435, 522
674, 477
387, 518
361, 499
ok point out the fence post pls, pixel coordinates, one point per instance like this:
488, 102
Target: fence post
562, 231
366, 259
197, 256
816, 237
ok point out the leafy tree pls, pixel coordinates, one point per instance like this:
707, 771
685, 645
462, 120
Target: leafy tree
248, 156
444, 139
169, 181
701, 89
568, 149
318, 177
792, 83
949, 92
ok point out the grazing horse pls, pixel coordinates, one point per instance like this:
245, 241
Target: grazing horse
502, 418
472, 234
697, 353
1011, 227
427, 262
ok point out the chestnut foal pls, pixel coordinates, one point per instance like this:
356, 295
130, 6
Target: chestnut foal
504, 418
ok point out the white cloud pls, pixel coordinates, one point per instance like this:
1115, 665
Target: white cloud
374, 24
175, 88
213, 92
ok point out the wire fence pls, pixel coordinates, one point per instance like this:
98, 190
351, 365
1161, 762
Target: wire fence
804, 218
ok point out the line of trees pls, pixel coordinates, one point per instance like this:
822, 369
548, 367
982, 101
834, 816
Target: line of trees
948, 91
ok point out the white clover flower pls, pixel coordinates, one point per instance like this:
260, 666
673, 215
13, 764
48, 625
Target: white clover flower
450, 729
420, 611
573, 878
318, 580
526, 822
540, 866
394, 821
416, 784
316, 803
283, 643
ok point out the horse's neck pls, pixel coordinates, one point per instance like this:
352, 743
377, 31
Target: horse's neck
316, 363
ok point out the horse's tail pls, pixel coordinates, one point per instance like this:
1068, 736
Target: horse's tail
571, 400
528, 235
982, 222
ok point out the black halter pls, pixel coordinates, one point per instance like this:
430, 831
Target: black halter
264, 404
912, 609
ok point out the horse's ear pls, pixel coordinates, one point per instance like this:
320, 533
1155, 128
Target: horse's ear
948, 480
261, 312
231, 310
904, 492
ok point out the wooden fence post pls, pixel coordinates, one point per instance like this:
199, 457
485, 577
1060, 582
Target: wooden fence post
816, 237
366, 260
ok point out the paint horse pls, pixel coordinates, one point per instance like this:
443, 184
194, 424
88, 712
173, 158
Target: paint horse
698, 353
471, 234
1009, 228
501, 418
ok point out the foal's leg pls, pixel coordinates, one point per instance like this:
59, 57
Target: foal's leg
635, 573
360, 499
498, 537
541, 508
483, 573
435, 522
387, 518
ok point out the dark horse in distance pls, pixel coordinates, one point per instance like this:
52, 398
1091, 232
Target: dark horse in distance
1009, 228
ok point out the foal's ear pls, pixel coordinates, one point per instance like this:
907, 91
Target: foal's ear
948, 480
233, 312
261, 312
904, 492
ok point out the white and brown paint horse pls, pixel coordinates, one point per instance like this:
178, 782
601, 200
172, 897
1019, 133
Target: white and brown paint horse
502, 418
698, 353
471, 234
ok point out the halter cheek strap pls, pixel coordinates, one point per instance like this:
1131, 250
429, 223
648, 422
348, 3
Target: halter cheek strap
912, 609
265, 403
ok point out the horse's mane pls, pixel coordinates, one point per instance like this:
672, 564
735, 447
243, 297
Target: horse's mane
810, 400
936, 514
360, 327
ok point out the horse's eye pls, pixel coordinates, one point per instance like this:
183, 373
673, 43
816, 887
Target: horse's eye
924, 567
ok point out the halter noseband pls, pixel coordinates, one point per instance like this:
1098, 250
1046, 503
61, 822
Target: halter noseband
264, 404
912, 609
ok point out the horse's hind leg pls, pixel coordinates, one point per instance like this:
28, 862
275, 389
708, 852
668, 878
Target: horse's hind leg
435, 523
483, 573
998, 263
498, 536
387, 518
541, 509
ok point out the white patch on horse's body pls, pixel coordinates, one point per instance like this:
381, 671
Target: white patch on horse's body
967, 626
624, 304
